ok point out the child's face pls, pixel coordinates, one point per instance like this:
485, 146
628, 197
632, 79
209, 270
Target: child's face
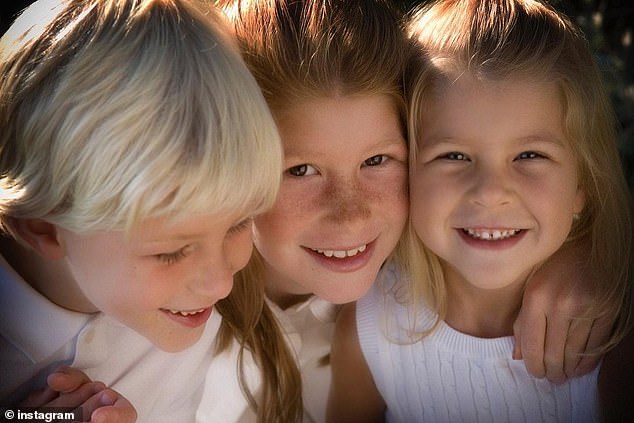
494, 187
162, 280
343, 199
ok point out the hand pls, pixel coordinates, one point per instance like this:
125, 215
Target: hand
69, 387
551, 334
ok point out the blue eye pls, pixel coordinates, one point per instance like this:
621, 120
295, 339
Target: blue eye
527, 155
376, 160
302, 170
454, 155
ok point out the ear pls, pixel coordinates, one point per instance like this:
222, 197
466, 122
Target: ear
580, 201
40, 235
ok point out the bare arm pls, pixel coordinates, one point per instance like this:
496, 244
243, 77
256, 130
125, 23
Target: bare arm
353, 394
549, 335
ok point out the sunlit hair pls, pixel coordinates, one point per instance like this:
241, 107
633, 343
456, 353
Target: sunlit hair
494, 40
113, 111
298, 50
303, 50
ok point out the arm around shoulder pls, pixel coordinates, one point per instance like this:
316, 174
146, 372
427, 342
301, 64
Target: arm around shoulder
353, 394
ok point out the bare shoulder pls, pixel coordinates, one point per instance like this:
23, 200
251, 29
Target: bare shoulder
616, 382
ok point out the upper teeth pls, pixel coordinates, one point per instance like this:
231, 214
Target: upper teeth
186, 313
492, 234
341, 253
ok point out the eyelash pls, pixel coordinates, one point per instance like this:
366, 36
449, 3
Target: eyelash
302, 170
240, 226
532, 154
299, 170
382, 159
176, 256
171, 258
454, 155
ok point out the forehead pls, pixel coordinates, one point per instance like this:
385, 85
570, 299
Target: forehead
340, 122
466, 107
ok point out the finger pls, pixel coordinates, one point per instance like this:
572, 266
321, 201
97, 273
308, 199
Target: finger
79, 396
105, 397
39, 398
555, 346
532, 328
67, 379
599, 334
120, 410
576, 344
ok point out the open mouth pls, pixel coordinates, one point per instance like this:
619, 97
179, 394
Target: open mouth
189, 318
341, 253
491, 234
185, 313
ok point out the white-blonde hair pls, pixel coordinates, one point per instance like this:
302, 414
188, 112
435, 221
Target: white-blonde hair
112, 111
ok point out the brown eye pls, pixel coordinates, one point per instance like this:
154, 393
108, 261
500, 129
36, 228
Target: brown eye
302, 170
375, 160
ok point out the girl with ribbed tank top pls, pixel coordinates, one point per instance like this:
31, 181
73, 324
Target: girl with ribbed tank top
512, 156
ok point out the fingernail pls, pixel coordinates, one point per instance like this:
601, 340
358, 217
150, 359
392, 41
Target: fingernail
108, 398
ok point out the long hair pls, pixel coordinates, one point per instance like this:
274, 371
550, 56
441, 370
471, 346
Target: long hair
498, 39
114, 111
300, 50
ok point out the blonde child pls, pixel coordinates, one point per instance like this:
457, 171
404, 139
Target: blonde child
124, 125
512, 154
331, 72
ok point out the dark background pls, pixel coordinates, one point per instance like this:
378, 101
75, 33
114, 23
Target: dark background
608, 25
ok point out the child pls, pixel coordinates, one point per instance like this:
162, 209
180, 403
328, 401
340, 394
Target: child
512, 155
331, 72
124, 124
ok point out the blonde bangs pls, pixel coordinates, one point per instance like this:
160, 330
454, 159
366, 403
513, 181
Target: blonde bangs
155, 117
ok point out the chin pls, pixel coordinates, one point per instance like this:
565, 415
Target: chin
175, 344
348, 295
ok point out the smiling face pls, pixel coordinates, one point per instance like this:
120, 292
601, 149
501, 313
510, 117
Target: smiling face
161, 280
343, 199
494, 187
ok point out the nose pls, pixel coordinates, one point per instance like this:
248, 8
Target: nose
215, 281
491, 186
347, 200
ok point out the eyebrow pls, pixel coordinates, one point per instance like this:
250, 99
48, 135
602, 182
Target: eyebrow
537, 138
303, 154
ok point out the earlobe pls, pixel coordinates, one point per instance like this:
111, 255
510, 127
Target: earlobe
40, 235
580, 202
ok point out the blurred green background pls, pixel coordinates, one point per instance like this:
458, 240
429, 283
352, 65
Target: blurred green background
609, 26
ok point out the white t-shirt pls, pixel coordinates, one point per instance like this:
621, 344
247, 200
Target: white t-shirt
36, 336
309, 327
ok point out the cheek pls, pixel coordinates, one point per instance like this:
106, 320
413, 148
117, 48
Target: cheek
391, 194
429, 204
292, 211
239, 250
